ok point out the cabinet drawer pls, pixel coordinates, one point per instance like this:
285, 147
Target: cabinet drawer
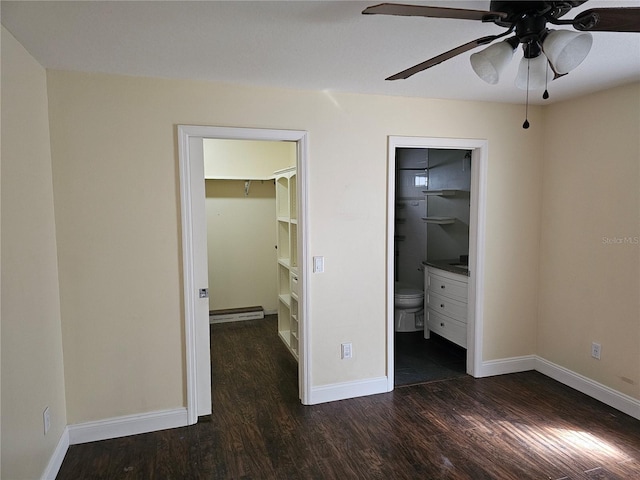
446, 287
294, 284
447, 306
447, 327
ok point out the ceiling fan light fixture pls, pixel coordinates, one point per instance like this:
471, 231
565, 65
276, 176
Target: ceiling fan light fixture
491, 62
566, 49
536, 69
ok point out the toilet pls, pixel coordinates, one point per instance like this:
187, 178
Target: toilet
408, 308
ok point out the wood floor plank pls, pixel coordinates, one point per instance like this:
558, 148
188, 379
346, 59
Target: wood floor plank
521, 426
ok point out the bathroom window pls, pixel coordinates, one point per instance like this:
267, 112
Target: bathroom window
420, 180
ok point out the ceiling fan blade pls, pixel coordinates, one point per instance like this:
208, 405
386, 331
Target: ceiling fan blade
434, 12
442, 57
623, 19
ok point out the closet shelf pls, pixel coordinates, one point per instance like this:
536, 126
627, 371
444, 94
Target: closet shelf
285, 298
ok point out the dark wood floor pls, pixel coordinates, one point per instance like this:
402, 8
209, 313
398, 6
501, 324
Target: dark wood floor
520, 426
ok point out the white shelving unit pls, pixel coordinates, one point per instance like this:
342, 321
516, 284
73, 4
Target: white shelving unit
287, 247
438, 220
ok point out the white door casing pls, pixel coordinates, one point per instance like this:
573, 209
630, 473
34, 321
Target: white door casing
194, 257
479, 158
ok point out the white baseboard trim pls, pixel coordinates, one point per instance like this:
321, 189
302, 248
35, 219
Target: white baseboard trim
604, 394
506, 365
342, 391
164, 419
55, 462
127, 425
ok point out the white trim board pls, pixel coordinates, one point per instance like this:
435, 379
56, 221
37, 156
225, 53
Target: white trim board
347, 390
112, 428
127, 425
503, 366
55, 462
589, 387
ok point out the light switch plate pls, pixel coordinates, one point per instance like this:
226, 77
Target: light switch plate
318, 264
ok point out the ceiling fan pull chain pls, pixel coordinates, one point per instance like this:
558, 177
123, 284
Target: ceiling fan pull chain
525, 125
545, 95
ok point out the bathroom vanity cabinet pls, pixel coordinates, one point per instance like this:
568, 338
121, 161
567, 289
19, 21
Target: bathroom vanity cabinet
445, 305
287, 248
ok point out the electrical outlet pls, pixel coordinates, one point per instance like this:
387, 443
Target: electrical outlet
46, 418
596, 349
346, 351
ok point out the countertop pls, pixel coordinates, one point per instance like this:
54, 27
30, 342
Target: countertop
453, 266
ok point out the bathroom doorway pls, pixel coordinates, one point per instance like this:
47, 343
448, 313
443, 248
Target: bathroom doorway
409, 220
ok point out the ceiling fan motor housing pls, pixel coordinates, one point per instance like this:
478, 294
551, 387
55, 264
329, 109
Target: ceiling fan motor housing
514, 10
531, 28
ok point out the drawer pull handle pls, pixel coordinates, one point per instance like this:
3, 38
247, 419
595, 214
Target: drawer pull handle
442, 324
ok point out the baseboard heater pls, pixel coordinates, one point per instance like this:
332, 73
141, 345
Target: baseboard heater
235, 314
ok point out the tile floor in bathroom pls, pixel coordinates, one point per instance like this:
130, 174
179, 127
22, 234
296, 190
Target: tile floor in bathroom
420, 360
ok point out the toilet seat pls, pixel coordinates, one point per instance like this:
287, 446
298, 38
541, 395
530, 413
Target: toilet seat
408, 293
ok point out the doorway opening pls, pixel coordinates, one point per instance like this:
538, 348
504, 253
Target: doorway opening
435, 232
194, 249
240, 191
431, 238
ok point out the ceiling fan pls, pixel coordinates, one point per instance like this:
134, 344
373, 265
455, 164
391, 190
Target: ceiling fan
543, 48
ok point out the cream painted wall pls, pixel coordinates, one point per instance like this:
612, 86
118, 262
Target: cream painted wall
246, 159
116, 192
32, 361
117, 217
590, 237
241, 236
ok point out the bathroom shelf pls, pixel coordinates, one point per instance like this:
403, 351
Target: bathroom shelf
439, 220
442, 193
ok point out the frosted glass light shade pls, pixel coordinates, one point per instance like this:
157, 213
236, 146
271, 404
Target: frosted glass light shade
537, 67
566, 49
491, 62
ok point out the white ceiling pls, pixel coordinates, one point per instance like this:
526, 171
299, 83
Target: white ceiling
311, 45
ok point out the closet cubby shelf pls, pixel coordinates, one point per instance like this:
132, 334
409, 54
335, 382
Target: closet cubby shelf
286, 299
285, 262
